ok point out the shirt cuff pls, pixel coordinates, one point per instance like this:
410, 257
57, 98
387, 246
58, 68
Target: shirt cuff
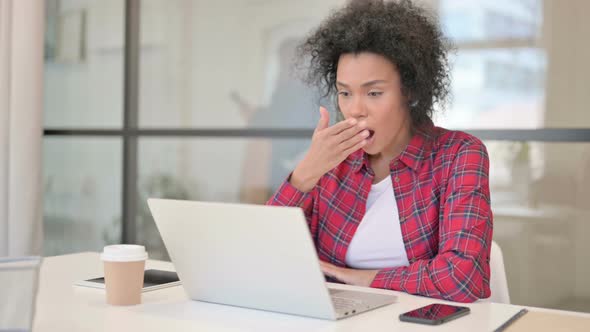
390, 278
288, 195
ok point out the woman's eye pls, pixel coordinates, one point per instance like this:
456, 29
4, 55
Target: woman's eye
343, 93
375, 93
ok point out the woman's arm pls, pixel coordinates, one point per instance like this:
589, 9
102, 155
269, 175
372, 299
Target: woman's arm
330, 145
289, 195
460, 271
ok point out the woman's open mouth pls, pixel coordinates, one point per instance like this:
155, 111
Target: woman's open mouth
371, 138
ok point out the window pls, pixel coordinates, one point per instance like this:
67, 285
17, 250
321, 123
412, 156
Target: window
196, 99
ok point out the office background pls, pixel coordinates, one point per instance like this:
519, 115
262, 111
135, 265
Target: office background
198, 99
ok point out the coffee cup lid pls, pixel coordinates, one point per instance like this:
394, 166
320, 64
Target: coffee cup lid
124, 253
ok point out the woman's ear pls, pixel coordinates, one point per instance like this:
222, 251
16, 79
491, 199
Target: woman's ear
411, 102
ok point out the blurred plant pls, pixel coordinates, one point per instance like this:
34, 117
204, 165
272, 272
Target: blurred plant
520, 171
155, 186
509, 152
522, 153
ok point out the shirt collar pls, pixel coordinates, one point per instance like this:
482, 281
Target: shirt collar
412, 156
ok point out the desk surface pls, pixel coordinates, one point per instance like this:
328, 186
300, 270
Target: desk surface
61, 306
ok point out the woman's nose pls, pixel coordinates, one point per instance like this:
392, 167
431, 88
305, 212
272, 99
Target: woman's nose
357, 109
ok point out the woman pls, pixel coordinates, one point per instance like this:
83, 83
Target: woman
391, 200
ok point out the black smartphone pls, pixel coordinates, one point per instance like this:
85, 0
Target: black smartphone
434, 314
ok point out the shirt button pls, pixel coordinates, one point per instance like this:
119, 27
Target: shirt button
396, 179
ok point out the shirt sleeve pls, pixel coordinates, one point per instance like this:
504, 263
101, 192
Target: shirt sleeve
461, 270
288, 195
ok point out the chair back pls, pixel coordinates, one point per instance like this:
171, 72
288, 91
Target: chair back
498, 281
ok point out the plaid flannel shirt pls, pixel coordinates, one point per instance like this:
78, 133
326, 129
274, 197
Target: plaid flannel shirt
441, 187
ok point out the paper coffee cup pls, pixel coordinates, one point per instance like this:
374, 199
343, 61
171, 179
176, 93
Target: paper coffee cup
124, 266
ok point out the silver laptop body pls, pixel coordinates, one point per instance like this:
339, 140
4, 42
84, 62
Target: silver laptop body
252, 256
19, 277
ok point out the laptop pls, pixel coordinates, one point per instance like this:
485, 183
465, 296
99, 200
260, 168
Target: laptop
252, 256
19, 280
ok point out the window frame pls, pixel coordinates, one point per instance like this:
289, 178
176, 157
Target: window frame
130, 133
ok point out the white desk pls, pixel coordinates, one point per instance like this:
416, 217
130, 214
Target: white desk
64, 307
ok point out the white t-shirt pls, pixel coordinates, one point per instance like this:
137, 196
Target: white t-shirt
378, 241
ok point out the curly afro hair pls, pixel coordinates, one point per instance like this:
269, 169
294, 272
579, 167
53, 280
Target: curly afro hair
398, 30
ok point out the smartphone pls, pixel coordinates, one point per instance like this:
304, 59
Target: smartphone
434, 314
153, 279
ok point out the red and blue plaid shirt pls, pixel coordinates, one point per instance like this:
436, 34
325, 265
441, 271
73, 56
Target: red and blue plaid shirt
441, 186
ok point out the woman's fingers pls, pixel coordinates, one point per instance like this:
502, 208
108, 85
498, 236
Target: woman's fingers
351, 132
329, 269
328, 143
355, 147
339, 127
352, 141
324, 121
